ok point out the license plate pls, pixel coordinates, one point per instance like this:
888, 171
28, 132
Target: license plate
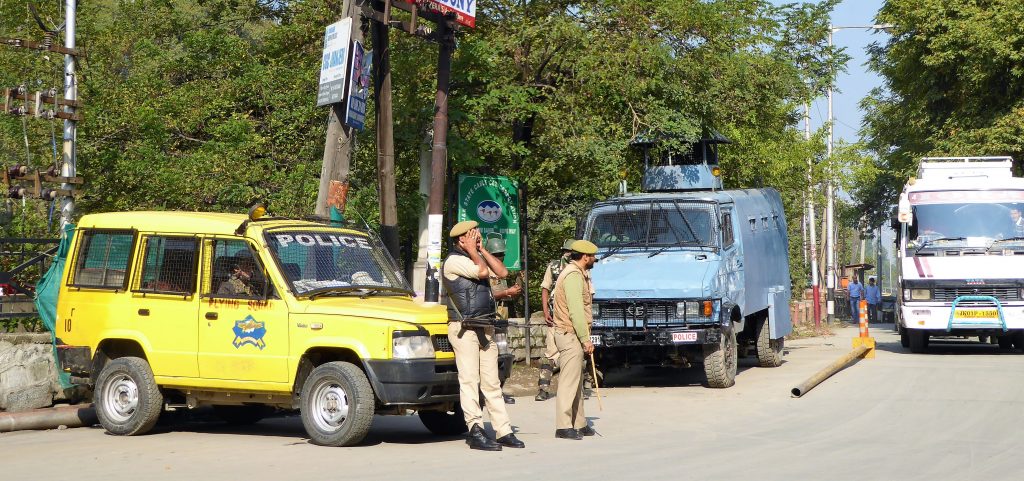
595, 340
684, 336
976, 314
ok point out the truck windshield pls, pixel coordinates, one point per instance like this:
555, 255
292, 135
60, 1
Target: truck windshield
655, 223
965, 222
334, 260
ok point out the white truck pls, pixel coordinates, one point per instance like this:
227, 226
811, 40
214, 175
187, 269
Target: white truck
960, 239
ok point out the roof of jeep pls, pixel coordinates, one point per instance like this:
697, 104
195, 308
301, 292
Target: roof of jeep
181, 222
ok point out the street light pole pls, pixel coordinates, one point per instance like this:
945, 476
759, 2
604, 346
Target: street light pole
815, 290
830, 231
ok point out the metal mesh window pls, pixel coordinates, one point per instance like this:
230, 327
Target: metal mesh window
656, 223
233, 271
168, 265
329, 259
103, 259
727, 235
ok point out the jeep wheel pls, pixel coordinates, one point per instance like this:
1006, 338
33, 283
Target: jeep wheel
337, 404
242, 415
720, 360
445, 423
127, 399
769, 351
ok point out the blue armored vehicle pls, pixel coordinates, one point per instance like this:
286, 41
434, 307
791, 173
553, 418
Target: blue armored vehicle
687, 272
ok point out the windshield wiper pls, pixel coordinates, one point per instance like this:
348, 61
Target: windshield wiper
619, 247
929, 241
1008, 239
363, 291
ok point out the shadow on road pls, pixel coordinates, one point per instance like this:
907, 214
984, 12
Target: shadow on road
656, 376
950, 346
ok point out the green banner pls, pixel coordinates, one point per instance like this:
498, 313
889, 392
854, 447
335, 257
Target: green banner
493, 201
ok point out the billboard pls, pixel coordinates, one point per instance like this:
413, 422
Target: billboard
464, 10
493, 201
359, 86
334, 63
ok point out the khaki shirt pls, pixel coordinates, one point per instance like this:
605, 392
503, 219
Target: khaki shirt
574, 296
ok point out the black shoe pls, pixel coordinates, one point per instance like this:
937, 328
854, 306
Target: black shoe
511, 441
543, 395
586, 431
587, 393
477, 439
509, 399
568, 434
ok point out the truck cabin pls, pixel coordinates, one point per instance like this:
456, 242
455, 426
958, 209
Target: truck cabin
669, 167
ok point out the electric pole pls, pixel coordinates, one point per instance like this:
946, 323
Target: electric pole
439, 161
385, 131
68, 168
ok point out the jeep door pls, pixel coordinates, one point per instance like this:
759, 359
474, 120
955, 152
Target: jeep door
243, 323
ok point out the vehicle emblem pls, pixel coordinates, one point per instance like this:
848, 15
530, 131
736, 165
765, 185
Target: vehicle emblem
636, 310
249, 331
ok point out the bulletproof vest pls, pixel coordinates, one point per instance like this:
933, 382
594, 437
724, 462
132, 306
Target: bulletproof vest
469, 297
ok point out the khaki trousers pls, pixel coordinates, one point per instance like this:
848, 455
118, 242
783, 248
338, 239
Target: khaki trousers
569, 396
478, 372
550, 350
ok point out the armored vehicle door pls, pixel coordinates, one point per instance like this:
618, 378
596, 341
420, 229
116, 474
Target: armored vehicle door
732, 257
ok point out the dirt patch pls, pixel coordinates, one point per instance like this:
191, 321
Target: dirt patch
523, 381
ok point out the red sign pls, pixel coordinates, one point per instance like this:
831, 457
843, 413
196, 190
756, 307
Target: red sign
464, 10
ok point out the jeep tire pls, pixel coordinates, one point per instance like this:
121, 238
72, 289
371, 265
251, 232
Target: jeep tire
445, 423
720, 360
769, 351
127, 399
337, 404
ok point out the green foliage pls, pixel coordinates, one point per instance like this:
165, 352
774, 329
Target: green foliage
955, 86
208, 105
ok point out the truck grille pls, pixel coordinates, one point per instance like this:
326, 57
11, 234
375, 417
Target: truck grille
642, 315
949, 294
441, 343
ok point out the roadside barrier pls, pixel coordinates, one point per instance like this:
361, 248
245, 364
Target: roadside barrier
49, 418
863, 346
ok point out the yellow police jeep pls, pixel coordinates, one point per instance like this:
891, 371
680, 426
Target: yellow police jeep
174, 310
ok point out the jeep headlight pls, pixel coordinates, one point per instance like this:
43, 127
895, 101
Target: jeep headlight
921, 294
411, 345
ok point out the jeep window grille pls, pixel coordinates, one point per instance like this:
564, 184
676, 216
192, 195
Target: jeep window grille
232, 270
102, 260
168, 265
656, 223
334, 259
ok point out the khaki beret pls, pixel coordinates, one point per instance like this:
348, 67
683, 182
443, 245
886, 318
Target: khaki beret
584, 247
462, 228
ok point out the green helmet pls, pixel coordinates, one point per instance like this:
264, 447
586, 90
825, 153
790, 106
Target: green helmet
567, 245
495, 246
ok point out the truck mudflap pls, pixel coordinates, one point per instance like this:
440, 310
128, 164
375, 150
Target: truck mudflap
658, 337
413, 381
954, 323
75, 360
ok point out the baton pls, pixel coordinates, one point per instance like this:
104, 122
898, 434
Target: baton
597, 388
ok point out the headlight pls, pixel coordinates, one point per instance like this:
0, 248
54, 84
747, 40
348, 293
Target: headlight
411, 345
501, 340
688, 309
906, 293
921, 294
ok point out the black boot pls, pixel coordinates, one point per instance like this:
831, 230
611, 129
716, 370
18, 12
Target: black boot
568, 434
511, 441
543, 395
508, 399
586, 431
478, 439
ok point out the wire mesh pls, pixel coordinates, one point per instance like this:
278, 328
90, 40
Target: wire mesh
233, 271
330, 258
103, 259
655, 223
168, 265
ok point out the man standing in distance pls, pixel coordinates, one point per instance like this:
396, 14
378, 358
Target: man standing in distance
573, 317
470, 306
547, 286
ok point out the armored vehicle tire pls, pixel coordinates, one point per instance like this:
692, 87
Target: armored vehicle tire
337, 404
445, 423
127, 399
983, 339
918, 340
769, 351
242, 415
1006, 342
720, 360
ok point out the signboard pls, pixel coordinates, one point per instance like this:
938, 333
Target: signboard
493, 201
464, 10
334, 63
359, 86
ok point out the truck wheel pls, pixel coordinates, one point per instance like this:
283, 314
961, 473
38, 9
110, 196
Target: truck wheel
918, 340
445, 423
242, 415
337, 404
128, 401
983, 339
720, 360
904, 338
1006, 342
769, 351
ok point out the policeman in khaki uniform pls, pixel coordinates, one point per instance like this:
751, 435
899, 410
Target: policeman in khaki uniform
551, 274
465, 274
572, 318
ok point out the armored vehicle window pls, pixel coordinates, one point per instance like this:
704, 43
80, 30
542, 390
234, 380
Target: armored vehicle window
727, 237
103, 259
168, 265
657, 223
233, 271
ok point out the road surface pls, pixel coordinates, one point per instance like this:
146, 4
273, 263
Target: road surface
954, 413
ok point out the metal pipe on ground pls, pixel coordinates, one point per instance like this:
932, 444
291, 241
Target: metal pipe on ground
828, 371
52, 418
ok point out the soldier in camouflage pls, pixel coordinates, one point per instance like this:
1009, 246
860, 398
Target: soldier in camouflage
239, 282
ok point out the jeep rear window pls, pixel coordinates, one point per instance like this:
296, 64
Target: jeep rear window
103, 259
318, 260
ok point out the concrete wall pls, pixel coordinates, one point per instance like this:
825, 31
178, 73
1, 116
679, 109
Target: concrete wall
517, 338
28, 377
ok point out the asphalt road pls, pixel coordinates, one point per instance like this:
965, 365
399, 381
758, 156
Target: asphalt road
954, 413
